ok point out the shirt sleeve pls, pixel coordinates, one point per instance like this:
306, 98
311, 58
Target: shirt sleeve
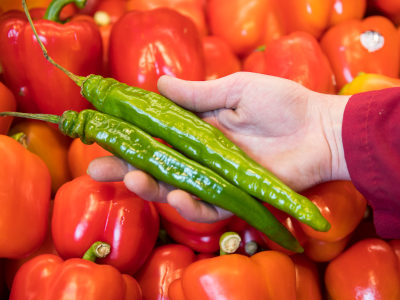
371, 141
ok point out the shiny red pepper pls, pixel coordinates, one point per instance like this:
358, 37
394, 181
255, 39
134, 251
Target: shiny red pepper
369, 46
86, 211
265, 275
244, 24
12, 266
219, 58
25, 199
367, 270
200, 237
307, 279
146, 45
164, 265
193, 9
48, 277
37, 85
390, 8
297, 57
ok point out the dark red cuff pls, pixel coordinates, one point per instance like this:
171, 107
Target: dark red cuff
371, 141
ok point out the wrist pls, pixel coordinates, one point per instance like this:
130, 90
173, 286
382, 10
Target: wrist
332, 111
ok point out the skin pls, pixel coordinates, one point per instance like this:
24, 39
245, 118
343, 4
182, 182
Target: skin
292, 131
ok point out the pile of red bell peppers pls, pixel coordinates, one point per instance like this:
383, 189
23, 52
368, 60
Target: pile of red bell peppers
52, 212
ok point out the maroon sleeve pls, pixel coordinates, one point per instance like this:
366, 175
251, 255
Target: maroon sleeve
371, 141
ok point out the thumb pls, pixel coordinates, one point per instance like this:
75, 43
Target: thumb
196, 96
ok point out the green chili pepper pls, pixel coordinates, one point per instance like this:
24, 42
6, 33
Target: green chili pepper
194, 138
142, 151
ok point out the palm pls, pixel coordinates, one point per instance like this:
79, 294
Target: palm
270, 119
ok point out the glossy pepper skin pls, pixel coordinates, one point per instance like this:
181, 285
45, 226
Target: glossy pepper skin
219, 58
36, 84
161, 42
199, 141
299, 57
24, 211
343, 46
141, 150
164, 265
390, 8
341, 204
343, 10
48, 277
307, 278
7, 103
244, 24
80, 156
51, 146
323, 251
86, 211
200, 237
369, 269
265, 275
369, 82
11, 266
193, 9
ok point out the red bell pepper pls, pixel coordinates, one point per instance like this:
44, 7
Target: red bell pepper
12, 266
80, 155
50, 145
297, 57
219, 58
291, 224
307, 279
25, 198
200, 237
369, 46
367, 270
7, 103
193, 9
48, 277
146, 45
86, 211
244, 24
322, 251
343, 10
340, 204
37, 85
164, 265
265, 275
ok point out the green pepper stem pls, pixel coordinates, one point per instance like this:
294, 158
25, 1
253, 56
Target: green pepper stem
54, 9
97, 250
47, 118
229, 242
20, 137
77, 79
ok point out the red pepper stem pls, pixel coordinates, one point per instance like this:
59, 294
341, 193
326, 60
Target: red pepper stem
54, 9
47, 118
97, 250
77, 79
229, 242
20, 137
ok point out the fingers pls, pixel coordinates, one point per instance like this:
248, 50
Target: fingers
195, 210
108, 169
197, 96
146, 187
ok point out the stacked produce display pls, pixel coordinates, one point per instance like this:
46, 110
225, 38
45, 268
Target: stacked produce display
79, 82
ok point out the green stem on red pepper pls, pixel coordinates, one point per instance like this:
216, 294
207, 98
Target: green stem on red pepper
97, 250
229, 242
20, 138
54, 9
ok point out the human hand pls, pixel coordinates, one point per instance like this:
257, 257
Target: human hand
290, 130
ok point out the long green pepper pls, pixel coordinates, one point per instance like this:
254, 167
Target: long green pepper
138, 148
194, 138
